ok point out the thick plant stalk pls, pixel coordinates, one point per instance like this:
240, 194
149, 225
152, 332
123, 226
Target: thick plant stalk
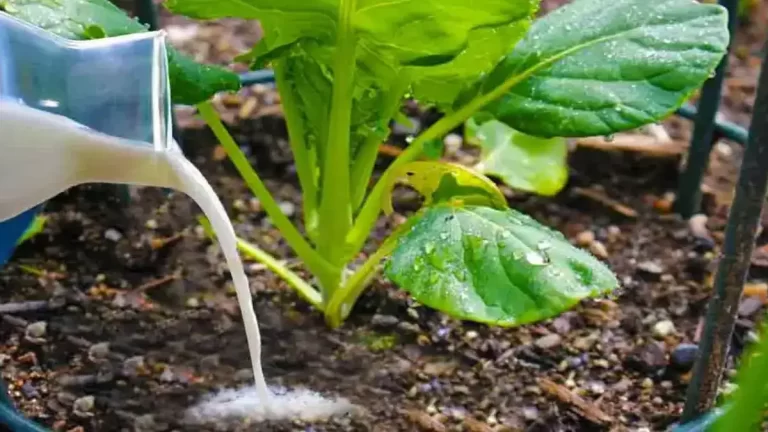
732, 270
335, 202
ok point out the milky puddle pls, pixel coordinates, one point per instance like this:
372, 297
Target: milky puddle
245, 404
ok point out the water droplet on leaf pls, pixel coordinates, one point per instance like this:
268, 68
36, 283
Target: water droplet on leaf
535, 258
429, 248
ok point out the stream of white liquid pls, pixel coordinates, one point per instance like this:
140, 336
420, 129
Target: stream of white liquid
259, 403
44, 154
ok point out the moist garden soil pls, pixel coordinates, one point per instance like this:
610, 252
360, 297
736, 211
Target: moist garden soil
140, 318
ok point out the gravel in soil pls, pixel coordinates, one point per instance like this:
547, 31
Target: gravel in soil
120, 317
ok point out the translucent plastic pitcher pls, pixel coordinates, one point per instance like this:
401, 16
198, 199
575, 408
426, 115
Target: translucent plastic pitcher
74, 112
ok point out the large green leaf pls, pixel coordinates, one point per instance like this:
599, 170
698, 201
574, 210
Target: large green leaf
409, 32
595, 67
87, 19
442, 84
522, 161
494, 266
433, 47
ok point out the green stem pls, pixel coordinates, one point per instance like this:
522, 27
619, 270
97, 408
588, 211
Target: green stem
295, 281
305, 167
372, 206
340, 304
335, 203
293, 237
362, 167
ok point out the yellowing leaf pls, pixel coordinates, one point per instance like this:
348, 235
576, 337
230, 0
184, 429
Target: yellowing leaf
445, 182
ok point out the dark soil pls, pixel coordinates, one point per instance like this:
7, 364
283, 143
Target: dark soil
142, 277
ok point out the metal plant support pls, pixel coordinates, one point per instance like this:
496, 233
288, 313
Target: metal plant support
704, 136
734, 263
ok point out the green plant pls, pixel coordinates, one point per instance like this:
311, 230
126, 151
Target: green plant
343, 67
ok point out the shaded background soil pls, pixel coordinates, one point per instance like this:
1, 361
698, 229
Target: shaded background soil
140, 319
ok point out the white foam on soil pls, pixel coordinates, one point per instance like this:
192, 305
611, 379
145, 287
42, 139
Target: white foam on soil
245, 404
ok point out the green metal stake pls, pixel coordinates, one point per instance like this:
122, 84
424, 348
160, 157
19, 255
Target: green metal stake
734, 263
688, 200
723, 128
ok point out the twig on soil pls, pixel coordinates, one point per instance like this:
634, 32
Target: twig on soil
159, 243
16, 321
157, 282
581, 406
40, 273
605, 200
648, 145
27, 306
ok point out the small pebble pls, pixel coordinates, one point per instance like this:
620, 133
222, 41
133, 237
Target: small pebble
29, 391
648, 358
749, 306
83, 406
112, 235
622, 386
598, 249
98, 351
133, 365
585, 238
193, 303
614, 233
576, 362
452, 143
210, 362
470, 335
650, 268
167, 375
530, 413
288, 208
379, 320
698, 225
562, 324
36, 330
549, 341
151, 224
145, 423
255, 205
647, 383
243, 375
409, 327
596, 387
663, 329
239, 205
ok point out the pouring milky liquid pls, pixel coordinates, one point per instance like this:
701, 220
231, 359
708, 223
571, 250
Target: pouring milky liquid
99, 112
46, 154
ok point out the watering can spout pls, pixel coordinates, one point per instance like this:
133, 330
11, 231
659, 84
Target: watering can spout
115, 86
73, 112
